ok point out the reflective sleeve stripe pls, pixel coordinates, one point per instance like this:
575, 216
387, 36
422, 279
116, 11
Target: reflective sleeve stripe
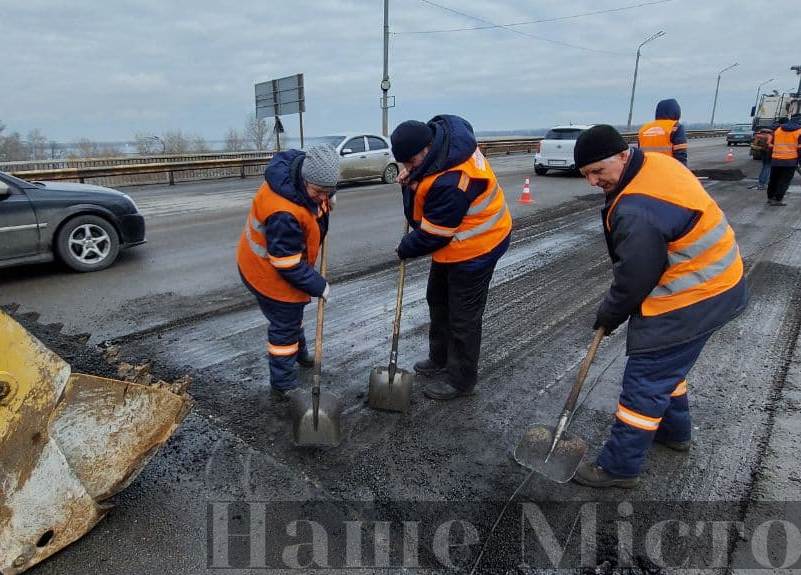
464, 182
637, 420
695, 278
681, 389
699, 246
436, 230
481, 228
656, 148
482, 205
282, 350
286, 261
680, 147
256, 248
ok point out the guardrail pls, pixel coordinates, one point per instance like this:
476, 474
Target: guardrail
191, 168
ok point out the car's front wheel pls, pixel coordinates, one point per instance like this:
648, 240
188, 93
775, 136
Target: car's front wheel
540, 170
390, 174
88, 243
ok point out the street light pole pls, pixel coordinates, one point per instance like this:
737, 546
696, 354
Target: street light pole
636, 69
756, 102
717, 87
385, 85
797, 70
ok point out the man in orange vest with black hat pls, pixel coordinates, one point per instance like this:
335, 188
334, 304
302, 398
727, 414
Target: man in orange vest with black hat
678, 277
785, 149
665, 134
459, 216
278, 248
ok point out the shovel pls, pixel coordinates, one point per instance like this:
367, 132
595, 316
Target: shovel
552, 452
316, 417
390, 387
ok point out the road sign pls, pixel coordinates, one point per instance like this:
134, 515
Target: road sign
280, 97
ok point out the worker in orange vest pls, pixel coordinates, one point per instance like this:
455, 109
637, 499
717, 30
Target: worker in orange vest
784, 159
459, 216
678, 276
665, 134
278, 249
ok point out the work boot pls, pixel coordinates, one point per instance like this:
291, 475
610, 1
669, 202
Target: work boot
445, 391
593, 475
280, 395
428, 368
674, 445
305, 359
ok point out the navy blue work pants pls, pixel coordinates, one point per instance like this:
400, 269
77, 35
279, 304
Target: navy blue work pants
653, 403
285, 339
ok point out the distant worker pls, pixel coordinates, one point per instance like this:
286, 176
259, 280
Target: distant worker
459, 216
665, 134
278, 249
784, 159
763, 144
678, 277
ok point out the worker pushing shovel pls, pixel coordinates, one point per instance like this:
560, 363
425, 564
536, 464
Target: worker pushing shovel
678, 277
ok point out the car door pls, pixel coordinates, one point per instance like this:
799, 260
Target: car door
19, 229
354, 163
378, 155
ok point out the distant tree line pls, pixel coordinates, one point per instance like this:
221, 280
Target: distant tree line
256, 135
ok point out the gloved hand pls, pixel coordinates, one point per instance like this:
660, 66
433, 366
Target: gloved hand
603, 321
326, 295
399, 252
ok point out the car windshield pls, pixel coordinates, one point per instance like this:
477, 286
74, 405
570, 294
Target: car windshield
562, 134
17, 181
741, 129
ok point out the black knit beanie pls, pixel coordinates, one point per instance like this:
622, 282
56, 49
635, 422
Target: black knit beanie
409, 138
597, 143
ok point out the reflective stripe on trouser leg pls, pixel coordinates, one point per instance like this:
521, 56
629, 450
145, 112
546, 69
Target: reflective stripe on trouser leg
283, 336
676, 423
646, 405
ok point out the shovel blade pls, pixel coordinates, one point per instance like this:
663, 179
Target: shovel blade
381, 395
561, 466
328, 429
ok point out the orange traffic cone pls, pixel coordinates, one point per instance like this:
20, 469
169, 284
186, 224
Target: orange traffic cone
730, 155
525, 197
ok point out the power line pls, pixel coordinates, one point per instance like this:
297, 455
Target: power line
491, 26
507, 27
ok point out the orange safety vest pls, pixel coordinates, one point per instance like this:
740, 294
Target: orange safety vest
705, 261
487, 222
655, 136
785, 144
258, 267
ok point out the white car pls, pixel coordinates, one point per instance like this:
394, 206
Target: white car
364, 157
556, 149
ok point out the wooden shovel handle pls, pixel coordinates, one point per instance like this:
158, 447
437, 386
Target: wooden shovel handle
318, 337
583, 370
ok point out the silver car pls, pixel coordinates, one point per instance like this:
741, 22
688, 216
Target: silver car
364, 157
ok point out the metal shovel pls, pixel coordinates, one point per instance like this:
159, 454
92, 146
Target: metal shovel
552, 452
316, 417
391, 387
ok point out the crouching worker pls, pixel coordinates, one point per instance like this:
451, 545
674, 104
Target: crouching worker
678, 277
278, 248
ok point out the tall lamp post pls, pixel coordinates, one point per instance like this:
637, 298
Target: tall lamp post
717, 87
756, 102
385, 84
797, 70
636, 68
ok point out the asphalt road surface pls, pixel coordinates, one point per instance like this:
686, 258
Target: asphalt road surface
177, 303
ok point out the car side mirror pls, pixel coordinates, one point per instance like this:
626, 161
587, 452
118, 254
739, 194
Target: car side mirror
4, 190
346, 151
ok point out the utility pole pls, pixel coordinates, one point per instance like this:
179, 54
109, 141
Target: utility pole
636, 68
385, 85
717, 87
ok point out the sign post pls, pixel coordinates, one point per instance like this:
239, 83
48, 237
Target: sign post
281, 96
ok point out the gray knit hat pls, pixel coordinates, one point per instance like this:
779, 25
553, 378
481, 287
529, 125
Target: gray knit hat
321, 166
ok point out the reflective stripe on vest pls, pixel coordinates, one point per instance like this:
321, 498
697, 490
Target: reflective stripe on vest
703, 263
486, 223
655, 136
257, 249
785, 144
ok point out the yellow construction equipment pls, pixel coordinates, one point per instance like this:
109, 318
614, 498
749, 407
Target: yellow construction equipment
67, 443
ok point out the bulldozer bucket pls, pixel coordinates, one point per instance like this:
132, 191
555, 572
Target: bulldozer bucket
67, 442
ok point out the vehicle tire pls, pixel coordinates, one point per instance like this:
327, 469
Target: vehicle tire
87, 243
390, 174
540, 170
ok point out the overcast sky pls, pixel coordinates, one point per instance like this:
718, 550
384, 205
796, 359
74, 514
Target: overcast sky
106, 70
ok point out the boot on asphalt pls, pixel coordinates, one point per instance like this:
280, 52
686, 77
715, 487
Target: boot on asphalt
593, 475
280, 395
305, 359
674, 445
428, 368
444, 391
